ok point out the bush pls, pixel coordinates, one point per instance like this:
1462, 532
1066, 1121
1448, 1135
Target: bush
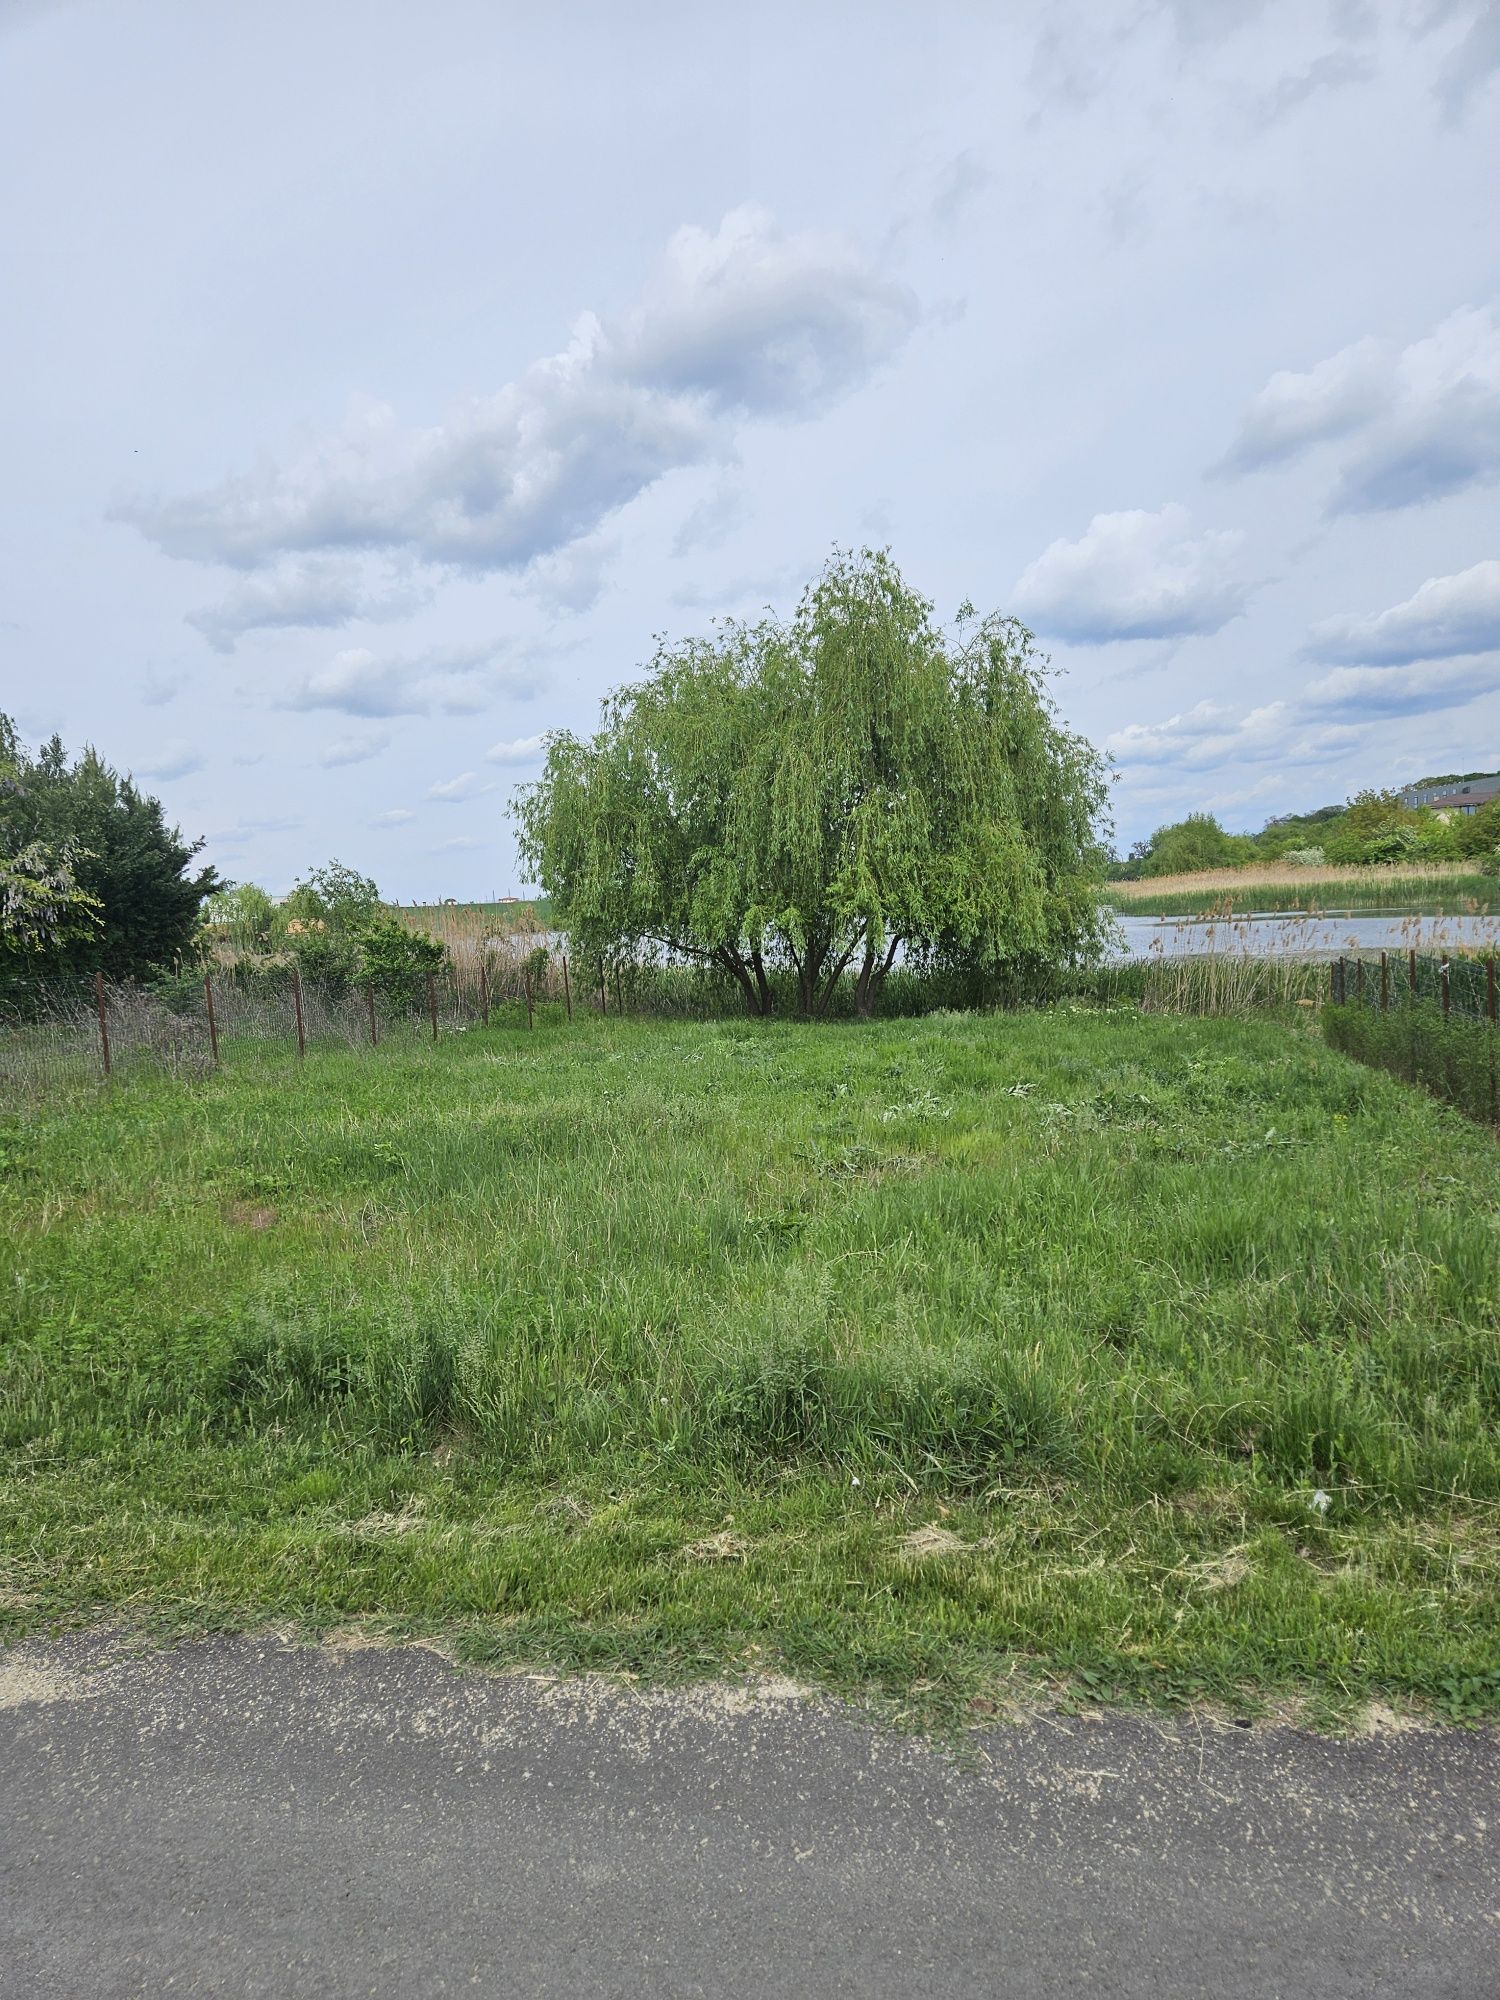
1304, 857
398, 961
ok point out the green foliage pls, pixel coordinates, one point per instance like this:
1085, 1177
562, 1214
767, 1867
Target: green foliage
398, 960
493, 1337
824, 795
1478, 834
1455, 1056
1190, 844
91, 876
243, 916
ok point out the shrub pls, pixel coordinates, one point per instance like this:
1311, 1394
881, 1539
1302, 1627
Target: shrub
1304, 857
396, 960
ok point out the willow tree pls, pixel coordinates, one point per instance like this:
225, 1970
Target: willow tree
823, 794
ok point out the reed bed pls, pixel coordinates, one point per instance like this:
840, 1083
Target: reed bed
1434, 889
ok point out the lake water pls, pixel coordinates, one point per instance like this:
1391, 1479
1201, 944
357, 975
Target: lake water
1325, 935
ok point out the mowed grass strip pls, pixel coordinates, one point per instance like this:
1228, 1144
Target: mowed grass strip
1146, 1357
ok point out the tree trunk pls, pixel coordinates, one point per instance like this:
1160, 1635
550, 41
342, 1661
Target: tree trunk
762, 984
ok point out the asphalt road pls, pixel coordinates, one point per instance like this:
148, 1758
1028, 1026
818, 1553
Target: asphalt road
250, 1818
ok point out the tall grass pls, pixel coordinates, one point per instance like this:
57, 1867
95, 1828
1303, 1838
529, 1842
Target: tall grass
650, 1343
1433, 888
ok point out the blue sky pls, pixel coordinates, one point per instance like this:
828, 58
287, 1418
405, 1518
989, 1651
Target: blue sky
384, 379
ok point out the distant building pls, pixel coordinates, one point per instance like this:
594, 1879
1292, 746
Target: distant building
1450, 798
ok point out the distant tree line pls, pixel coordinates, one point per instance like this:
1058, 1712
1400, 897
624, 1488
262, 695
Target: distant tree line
1370, 829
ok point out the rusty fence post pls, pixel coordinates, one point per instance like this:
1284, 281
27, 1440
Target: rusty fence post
103, 1020
567, 990
1343, 987
297, 1009
370, 1004
1359, 981
213, 1026
432, 1003
484, 992
1411, 973
619, 993
1385, 985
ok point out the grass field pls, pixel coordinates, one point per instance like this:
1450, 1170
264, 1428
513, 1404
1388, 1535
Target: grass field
1446, 891
1117, 1355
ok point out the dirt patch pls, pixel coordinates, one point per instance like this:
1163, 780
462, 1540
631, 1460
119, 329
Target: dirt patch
245, 1215
723, 1547
932, 1541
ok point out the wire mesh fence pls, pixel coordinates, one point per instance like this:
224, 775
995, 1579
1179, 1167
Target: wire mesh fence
62, 1033
1432, 1019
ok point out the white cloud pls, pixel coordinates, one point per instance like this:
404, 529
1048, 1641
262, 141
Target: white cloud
455, 681
1447, 616
1213, 734
573, 578
738, 323
397, 816
356, 748
174, 759
521, 750
1134, 575
1418, 689
1422, 421
319, 591
459, 843
467, 785
158, 688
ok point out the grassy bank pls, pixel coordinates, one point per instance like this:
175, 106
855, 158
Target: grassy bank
1146, 1356
1427, 891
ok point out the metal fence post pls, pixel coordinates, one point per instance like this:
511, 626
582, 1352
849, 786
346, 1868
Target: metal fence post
567, 990
297, 1007
1443, 982
1359, 981
1385, 985
213, 1026
1411, 973
530, 1018
484, 993
103, 1020
432, 1003
370, 1004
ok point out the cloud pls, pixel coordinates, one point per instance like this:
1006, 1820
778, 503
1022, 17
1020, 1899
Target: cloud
1212, 734
710, 524
1334, 71
455, 681
521, 750
741, 323
1134, 575
1447, 616
1473, 60
397, 816
322, 591
457, 844
356, 748
174, 759
1422, 421
157, 688
467, 785
1418, 689
573, 578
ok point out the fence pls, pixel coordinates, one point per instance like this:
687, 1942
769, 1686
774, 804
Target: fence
1431, 1020
60, 1033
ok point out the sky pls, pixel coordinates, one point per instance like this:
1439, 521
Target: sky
382, 380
